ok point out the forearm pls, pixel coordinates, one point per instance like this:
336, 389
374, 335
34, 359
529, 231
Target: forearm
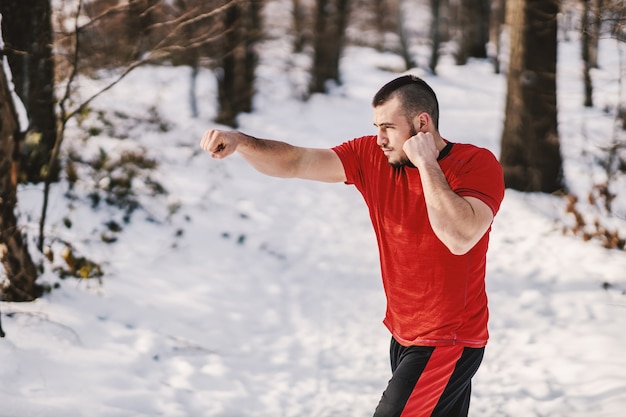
275, 158
452, 217
270, 157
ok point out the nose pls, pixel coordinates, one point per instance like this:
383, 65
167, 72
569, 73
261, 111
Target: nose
381, 138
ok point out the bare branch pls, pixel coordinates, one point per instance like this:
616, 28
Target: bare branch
120, 8
183, 22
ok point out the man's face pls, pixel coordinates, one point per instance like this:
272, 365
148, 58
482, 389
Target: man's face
393, 130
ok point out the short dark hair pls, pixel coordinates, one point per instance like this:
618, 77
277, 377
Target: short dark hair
415, 95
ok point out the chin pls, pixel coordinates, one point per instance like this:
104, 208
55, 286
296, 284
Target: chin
399, 162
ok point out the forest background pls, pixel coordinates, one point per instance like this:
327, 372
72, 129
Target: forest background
61, 58
48, 45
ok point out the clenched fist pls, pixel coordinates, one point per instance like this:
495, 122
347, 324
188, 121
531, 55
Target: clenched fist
220, 143
421, 148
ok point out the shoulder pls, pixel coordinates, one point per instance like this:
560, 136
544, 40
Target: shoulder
357, 144
470, 149
465, 153
358, 148
359, 158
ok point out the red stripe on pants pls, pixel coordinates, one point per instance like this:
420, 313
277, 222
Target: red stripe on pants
432, 382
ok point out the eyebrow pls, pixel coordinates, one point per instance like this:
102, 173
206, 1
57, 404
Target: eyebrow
384, 124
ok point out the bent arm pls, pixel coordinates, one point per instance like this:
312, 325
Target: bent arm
459, 222
276, 158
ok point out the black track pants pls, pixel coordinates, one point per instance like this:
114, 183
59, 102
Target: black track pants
429, 381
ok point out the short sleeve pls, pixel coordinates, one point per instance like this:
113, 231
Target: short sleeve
351, 154
481, 177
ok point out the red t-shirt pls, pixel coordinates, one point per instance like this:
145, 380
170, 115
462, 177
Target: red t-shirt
433, 297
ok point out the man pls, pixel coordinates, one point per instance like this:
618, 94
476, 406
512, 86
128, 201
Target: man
431, 203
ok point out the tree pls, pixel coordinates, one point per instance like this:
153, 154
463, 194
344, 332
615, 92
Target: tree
595, 20
16, 260
191, 55
331, 19
473, 21
594, 15
27, 31
530, 154
88, 46
139, 23
168, 36
403, 35
300, 20
495, 31
435, 35
237, 64
586, 49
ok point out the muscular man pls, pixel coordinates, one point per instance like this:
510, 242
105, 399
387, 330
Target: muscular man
431, 202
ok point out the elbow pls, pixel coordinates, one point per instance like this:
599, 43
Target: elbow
458, 249
461, 239
460, 245
460, 242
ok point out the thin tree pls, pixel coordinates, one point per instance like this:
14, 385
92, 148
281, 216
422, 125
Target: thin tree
473, 21
16, 260
435, 35
587, 41
139, 24
597, 9
171, 39
530, 153
191, 56
236, 68
27, 32
403, 35
300, 18
495, 31
331, 19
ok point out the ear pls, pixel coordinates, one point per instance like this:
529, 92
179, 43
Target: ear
422, 122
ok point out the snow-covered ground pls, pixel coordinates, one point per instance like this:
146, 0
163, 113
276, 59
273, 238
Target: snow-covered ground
238, 295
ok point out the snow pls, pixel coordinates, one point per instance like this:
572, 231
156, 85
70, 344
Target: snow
239, 295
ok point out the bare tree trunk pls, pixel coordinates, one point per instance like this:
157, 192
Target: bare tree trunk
226, 74
435, 35
614, 17
474, 28
27, 30
530, 155
2, 334
252, 35
586, 36
140, 18
299, 26
405, 43
445, 20
16, 260
382, 10
193, 83
495, 31
190, 56
596, 25
235, 77
331, 18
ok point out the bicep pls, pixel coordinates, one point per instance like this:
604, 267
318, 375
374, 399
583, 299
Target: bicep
320, 165
483, 216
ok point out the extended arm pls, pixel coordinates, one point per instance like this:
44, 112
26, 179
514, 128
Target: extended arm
459, 222
275, 158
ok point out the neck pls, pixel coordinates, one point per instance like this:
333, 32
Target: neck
440, 142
